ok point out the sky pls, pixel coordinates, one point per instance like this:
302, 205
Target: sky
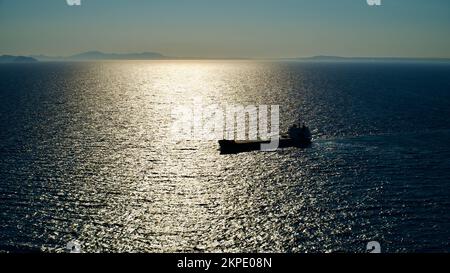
228, 28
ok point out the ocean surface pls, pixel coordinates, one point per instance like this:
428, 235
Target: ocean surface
86, 154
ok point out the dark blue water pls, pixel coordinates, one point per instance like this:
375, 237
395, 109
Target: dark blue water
85, 155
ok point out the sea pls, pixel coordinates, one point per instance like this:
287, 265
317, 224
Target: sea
87, 156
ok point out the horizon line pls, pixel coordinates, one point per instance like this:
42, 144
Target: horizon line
161, 56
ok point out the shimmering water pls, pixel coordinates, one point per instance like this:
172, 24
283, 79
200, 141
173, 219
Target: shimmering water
86, 154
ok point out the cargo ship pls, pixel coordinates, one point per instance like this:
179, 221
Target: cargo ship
297, 136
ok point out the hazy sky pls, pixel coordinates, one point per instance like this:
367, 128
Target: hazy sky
228, 28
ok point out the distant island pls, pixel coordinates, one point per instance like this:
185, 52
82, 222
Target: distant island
16, 59
324, 58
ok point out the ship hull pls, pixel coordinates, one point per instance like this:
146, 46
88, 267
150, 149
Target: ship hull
234, 147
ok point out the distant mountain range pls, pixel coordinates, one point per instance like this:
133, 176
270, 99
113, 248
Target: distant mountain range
97, 55
16, 59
